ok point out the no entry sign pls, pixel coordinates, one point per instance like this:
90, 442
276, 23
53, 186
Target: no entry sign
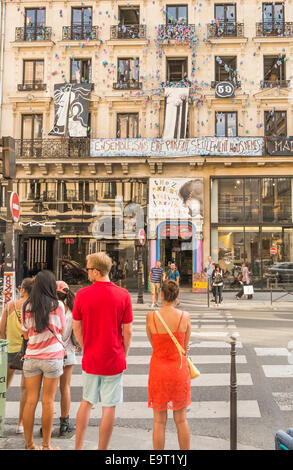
14, 206
273, 250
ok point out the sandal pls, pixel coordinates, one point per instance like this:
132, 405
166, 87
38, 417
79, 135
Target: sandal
33, 447
49, 447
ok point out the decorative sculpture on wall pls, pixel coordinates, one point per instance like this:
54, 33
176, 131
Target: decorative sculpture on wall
176, 113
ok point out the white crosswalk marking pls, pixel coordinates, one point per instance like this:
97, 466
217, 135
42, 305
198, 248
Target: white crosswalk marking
209, 348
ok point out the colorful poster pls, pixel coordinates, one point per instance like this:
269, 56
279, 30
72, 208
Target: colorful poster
176, 198
221, 146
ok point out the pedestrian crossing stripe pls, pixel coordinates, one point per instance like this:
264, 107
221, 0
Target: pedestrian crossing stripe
203, 344
140, 410
272, 352
212, 359
278, 371
141, 380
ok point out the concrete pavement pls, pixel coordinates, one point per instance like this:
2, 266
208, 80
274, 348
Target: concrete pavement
123, 438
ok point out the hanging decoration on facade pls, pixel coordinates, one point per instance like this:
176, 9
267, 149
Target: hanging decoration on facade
71, 109
176, 113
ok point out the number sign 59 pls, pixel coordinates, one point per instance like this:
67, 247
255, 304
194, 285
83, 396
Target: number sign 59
225, 90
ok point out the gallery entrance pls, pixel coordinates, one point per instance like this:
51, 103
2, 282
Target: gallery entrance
176, 246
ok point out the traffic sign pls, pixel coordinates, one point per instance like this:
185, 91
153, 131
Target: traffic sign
14, 206
142, 237
273, 250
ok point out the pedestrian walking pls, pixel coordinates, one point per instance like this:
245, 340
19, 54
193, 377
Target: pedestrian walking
65, 295
10, 328
102, 324
157, 276
218, 284
209, 270
43, 324
174, 275
169, 376
244, 280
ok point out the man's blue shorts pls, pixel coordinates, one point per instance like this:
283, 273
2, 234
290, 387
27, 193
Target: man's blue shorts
109, 387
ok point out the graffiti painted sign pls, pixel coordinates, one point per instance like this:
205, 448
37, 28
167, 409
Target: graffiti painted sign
8, 287
221, 146
177, 198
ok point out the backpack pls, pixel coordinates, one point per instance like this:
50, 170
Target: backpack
218, 278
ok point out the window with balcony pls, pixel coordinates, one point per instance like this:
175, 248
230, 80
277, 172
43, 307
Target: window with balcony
34, 24
226, 124
176, 70
129, 26
128, 74
177, 14
81, 23
275, 123
33, 76
274, 72
273, 17
226, 69
109, 190
129, 16
225, 16
127, 125
81, 71
31, 134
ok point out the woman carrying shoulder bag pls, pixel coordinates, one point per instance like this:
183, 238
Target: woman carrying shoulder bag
169, 385
43, 325
10, 328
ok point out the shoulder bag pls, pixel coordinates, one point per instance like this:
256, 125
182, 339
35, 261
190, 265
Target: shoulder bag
17, 362
194, 372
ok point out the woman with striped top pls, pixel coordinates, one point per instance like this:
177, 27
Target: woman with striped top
43, 325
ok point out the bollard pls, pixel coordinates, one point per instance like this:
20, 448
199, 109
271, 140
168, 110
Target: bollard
3, 381
271, 293
233, 395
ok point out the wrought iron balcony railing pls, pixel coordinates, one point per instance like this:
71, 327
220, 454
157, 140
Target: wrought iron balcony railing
53, 147
274, 28
275, 83
127, 85
33, 33
77, 32
31, 86
237, 84
224, 29
130, 31
179, 31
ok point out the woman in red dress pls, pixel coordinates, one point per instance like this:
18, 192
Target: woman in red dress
169, 376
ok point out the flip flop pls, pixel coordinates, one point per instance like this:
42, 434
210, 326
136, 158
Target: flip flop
34, 447
50, 448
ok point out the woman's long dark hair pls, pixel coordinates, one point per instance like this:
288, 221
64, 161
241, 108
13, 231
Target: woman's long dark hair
42, 300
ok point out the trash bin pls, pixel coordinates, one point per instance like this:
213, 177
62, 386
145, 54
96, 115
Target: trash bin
3, 379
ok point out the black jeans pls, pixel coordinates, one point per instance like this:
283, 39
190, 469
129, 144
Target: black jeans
218, 294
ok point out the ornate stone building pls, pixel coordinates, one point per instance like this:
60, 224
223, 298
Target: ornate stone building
233, 142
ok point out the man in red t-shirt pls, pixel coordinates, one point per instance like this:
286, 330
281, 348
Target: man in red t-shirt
102, 324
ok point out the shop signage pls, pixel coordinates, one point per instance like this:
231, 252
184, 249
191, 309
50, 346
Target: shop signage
69, 241
183, 231
279, 145
14, 206
225, 90
221, 146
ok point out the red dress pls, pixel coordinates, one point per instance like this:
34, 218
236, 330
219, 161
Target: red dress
169, 385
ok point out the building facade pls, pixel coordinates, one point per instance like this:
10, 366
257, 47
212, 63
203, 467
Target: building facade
170, 117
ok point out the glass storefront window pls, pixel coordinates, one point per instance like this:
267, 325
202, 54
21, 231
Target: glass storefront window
252, 254
230, 200
251, 199
228, 245
276, 200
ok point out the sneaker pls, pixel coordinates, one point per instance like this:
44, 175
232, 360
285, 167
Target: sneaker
153, 306
66, 430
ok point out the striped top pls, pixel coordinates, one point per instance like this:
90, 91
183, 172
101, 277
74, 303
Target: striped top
45, 345
157, 274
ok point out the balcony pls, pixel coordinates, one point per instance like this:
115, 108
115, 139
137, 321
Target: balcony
180, 32
127, 85
225, 29
275, 83
53, 147
237, 84
32, 86
132, 31
275, 29
79, 33
39, 33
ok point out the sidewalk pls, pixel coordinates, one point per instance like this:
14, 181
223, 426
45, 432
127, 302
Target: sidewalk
123, 438
261, 301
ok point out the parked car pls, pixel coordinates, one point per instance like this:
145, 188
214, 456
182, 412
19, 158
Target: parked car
283, 271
